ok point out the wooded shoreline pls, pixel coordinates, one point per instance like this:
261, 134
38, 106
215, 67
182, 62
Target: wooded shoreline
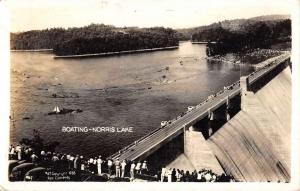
32, 50
116, 53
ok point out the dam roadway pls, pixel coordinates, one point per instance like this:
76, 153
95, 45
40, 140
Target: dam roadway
151, 142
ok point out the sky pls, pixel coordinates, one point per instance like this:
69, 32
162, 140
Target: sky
40, 14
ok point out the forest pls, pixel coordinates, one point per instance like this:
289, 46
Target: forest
95, 38
228, 36
253, 35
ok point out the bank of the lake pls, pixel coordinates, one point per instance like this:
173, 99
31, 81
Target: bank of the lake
32, 50
117, 53
201, 42
250, 57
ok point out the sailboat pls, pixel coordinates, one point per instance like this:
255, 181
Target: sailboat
56, 109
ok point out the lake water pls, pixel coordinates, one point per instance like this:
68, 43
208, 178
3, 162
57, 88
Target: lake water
136, 90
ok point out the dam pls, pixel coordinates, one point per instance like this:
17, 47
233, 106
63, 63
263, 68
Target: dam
243, 131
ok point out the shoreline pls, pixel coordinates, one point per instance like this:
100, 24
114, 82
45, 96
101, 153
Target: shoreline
32, 50
239, 62
116, 53
256, 66
201, 42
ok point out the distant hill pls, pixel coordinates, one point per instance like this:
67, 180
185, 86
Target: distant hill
270, 17
231, 25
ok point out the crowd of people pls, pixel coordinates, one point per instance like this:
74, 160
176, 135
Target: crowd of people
109, 167
95, 165
204, 175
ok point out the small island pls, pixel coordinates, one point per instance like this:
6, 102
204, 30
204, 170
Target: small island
96, 40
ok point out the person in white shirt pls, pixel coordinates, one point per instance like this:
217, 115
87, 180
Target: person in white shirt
138, 167
199, 176
170, 175
123, 165
12, 152
178, 175
99, 165
207, 177
19, 151
132, 167
34, 158
95, 170
163, 173
213, 178
76, 162
118, 170
71, 162
144, 167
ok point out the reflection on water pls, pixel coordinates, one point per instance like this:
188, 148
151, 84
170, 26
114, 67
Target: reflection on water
137, 90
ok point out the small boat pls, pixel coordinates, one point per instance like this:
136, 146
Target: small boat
57, 111
27, 118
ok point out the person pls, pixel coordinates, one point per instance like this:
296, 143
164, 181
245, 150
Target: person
99, 165
170, 175
12, 152
173, 175
109, 165
19, 151
194, 176
34, 158
214, 178
117, 165
132, 167
187, 176
43, 155
95, 166
82, 163
48, 159
144, 167
76, 162
207, 177
26, 153
55, 160
163, 172
64, 161
91, 163
138, 167
178, 175
71, 162
199, 176
123, 165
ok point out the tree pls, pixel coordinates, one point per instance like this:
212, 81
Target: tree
37, 144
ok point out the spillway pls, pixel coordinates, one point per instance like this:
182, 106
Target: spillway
255, 144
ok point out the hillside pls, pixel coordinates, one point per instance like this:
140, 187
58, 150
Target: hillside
270, 17
94, 38
232, 25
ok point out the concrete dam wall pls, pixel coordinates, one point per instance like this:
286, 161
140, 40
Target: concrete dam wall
255, 144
